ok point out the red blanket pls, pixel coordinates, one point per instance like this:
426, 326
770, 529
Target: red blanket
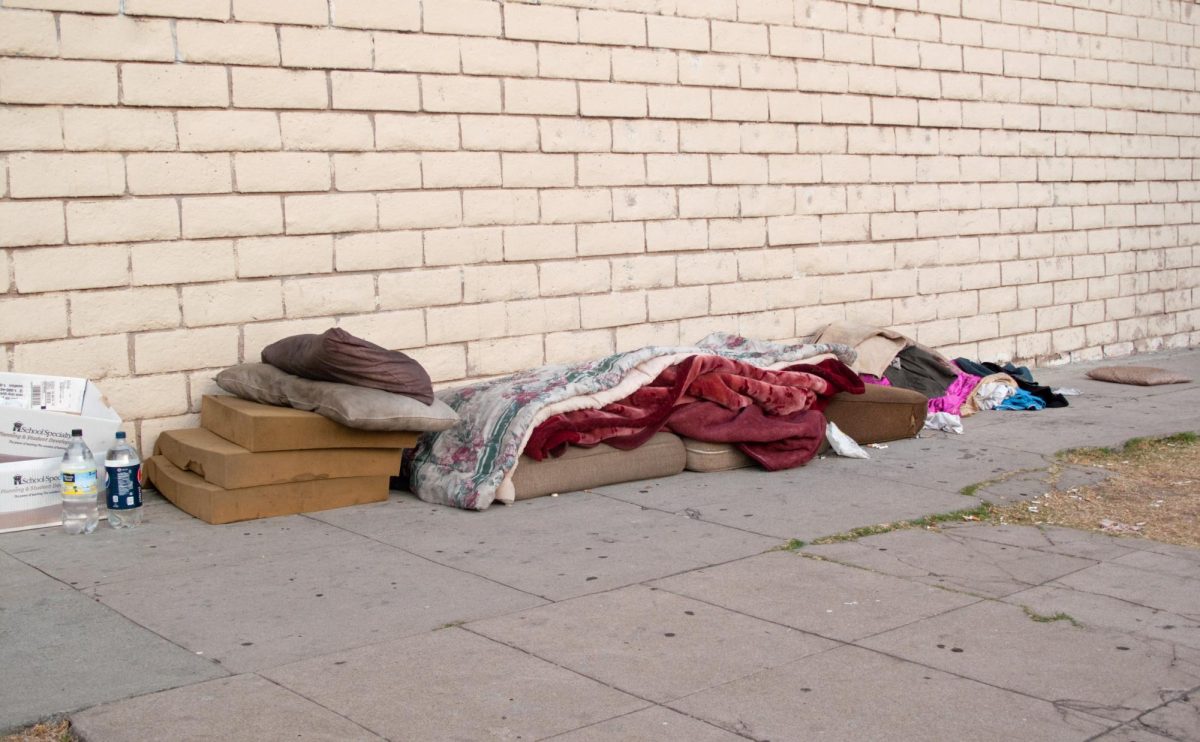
773, 416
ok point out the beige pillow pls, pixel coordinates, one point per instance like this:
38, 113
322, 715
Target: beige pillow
1140, 375
352, 406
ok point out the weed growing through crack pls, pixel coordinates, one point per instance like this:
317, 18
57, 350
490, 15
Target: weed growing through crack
1050, 618
977, 513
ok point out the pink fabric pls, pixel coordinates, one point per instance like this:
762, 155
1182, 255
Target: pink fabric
876, 380
956, 395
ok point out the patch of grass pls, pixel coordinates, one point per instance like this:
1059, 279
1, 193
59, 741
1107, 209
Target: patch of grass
793, 545
47, 731
1050, 618
979, 512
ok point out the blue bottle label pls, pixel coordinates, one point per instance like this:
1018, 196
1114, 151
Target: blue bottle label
124, 487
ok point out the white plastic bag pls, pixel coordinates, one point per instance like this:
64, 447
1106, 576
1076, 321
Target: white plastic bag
842, 444
944, 421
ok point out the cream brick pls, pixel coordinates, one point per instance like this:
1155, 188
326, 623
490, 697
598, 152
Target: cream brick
677, 303
49, 175
676, 169
181, 262
483, 207
416, 209
645, 66
573, 278
396, 15
228, 303
326, 131
744, 38
542, 315
124, 310
709, 137
377, 251
796, 42
643, 203
420, 288
184, 350
414, 52
313, 297
678, 234
465, 245
539, 242
16, 313
679, 103
167, 173
767, 200
334, 212
274, 88
67, 268
418, 132
126, 220
607, 27
540, 23
499, 282
459, 169
404, 329
709, 202
537, 170
733, 169
218, 131
645, 136
717, 70
574, 135
264, 257
240, 43
576, 205
377, 171
767, 73
55, 81
81, 6
375, 91
510, 133
325, 48
499, 57
30, 128
28, 34
794, 107
643, 272
272, 172
444, 363
88, 358
794, 169
466, 322
611, 169
610, 238
300, 12
448, 93
701, 268
576, 62
504, 355
677, 33
217, 10
148, 396
230, 216
182, 86
565, 347
612, 100
640, 336
611, 310
116, 38
463, 17
554, 97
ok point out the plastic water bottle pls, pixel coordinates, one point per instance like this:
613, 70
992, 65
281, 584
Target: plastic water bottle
124, 490
80, 486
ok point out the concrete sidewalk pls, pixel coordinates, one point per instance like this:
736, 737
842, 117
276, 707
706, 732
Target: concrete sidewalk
657, 610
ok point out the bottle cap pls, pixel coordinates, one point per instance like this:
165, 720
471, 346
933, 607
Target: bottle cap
120, 435
77, 431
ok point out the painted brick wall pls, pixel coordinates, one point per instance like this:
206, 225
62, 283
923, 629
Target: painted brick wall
493, 185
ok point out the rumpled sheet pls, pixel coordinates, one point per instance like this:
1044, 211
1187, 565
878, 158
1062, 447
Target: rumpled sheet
470, 465
772, 416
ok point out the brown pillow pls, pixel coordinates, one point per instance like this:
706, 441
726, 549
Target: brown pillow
336, 355
352, 406
1140, 375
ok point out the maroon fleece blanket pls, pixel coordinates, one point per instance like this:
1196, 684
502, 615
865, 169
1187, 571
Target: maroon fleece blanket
773, 416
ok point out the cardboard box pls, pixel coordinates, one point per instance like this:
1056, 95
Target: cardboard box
37, 414
259, 427
216, 505
228, 465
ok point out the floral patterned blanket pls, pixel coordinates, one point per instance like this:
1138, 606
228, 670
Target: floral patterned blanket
470, 465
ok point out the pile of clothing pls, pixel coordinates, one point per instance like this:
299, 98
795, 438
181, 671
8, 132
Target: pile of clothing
955, 388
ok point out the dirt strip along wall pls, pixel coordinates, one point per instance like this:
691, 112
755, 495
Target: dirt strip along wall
495, 185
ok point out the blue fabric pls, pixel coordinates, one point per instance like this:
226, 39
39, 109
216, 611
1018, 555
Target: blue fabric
1021, 400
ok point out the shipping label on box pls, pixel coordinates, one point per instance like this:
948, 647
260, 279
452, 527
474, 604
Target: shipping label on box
37, 414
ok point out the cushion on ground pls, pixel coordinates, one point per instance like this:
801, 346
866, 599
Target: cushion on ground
352, 406
879, 414
1139, 375
583, 468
